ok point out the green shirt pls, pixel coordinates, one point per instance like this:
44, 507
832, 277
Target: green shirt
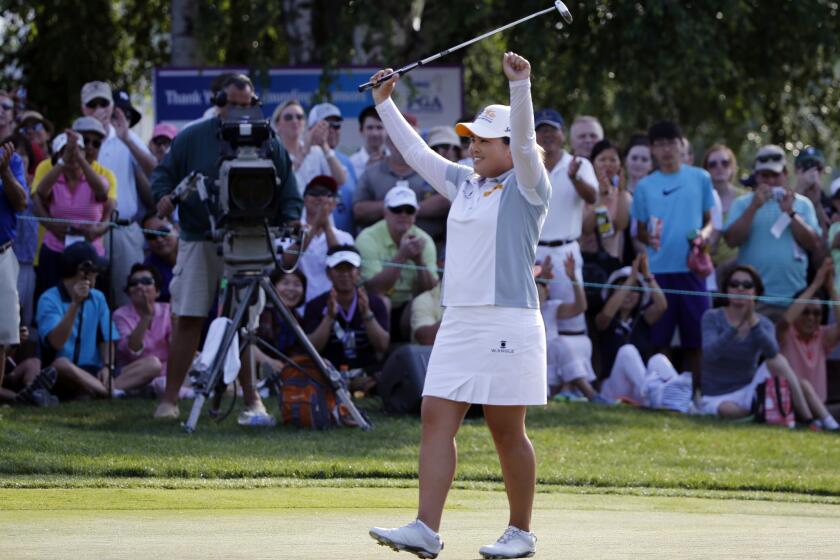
197, 148
377, 248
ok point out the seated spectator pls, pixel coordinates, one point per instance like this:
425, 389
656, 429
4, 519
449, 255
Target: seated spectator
347, 325
162, 137
735, 338
610, 215
446, 142
273, 329
72, 320
71, 190
24, 381
774, 229
586, 131
163, 249
806, 343
145, 326
390, 244
427, 313
319, 201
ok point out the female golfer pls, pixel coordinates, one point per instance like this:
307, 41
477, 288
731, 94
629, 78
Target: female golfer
490, 349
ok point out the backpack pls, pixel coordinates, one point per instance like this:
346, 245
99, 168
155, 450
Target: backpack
773, 404
306, 398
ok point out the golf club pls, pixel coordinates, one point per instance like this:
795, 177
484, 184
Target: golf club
559, 6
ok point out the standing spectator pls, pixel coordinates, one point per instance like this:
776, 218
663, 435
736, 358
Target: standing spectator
310, 154
13, 199
390, 244
379, 178
347, 325
722, 166
25, 242
7, 114
774, 228
199, 267
446, 142
373, 147
573, 183
637, 161
37, 131
586, 132
833, 238
162, 236
73, 318
611, 215
810, 171
343, 213
71, 191
162, 137
672, 206
144, 326
124, 153
687, 152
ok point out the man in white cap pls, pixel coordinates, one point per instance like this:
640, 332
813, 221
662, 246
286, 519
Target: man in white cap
387, 247
124, 153
343, 214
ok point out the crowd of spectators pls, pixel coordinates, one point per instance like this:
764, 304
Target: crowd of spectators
661, 283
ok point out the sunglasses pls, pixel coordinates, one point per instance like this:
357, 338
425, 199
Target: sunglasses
142, 281
157, 234
98, 103
744, 285
724, 163
405, 209
7, 106
293, 116
769, 157
37, 127
93, 141
161, 141
335, 125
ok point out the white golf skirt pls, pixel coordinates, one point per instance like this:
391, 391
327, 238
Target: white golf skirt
489, 355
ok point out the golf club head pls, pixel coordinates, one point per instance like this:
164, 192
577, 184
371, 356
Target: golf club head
564, 11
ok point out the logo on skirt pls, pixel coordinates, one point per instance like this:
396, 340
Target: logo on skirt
503, 348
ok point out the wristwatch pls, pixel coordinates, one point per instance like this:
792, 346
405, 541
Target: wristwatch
369, 316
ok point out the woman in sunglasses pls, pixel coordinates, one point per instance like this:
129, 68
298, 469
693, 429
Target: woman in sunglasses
735, 339
491, 347
309, 151
721, 164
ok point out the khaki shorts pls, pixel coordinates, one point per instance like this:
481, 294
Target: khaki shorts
9, 303
195, 278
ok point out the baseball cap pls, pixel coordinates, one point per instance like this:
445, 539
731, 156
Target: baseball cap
400, 196
809, 157
60, 141
94, 90
80, 254
322, 181
492, 122
342, 254
123, 101
835, 187
321, 111
89, 124
38, 117
439, 135
548, 116
618, 277
770, 158
166, 130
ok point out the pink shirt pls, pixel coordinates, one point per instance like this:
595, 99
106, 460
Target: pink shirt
156, 340
807, 357
77, 203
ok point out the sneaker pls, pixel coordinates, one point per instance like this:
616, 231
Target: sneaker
167, 411
256, 418
598, 399
416, 538
43, 398
569, 396
514, 543
43, 382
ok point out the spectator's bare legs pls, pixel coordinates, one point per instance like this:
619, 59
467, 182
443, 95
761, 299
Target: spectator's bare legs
5, 396
138, 374
78, 379
584, 387
186, 334
249, 392
441, 420
25, 372
728, 409
780, 367
693, 361
814, 403
516, 455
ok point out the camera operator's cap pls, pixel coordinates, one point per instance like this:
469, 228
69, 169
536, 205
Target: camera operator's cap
322, 111
770, 158
122, 101
549, 117
834, 189
79, 254
322, 181
61, 140
35, 116
810, 157
89, 124
443, 135
96, 90
165, 130
492, 122
400, 196
352, 257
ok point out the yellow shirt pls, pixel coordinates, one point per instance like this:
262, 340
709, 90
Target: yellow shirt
44, 168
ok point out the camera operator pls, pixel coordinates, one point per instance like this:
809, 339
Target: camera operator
199, 268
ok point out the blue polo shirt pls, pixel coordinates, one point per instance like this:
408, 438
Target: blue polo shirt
343, 213
679, 200
91, 320
8, 217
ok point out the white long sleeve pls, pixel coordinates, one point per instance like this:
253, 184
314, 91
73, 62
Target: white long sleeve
429, 164
527, 163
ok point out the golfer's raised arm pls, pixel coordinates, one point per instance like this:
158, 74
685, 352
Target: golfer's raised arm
527, 163
425, 161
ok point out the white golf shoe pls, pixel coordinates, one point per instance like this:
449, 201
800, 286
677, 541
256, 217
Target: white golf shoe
416, 538
514, 543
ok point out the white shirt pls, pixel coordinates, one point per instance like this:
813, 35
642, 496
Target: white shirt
314, 164
565, 211
313, 263
360, 160
116, 156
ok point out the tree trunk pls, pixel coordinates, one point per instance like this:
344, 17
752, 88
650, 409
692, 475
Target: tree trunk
184, 43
